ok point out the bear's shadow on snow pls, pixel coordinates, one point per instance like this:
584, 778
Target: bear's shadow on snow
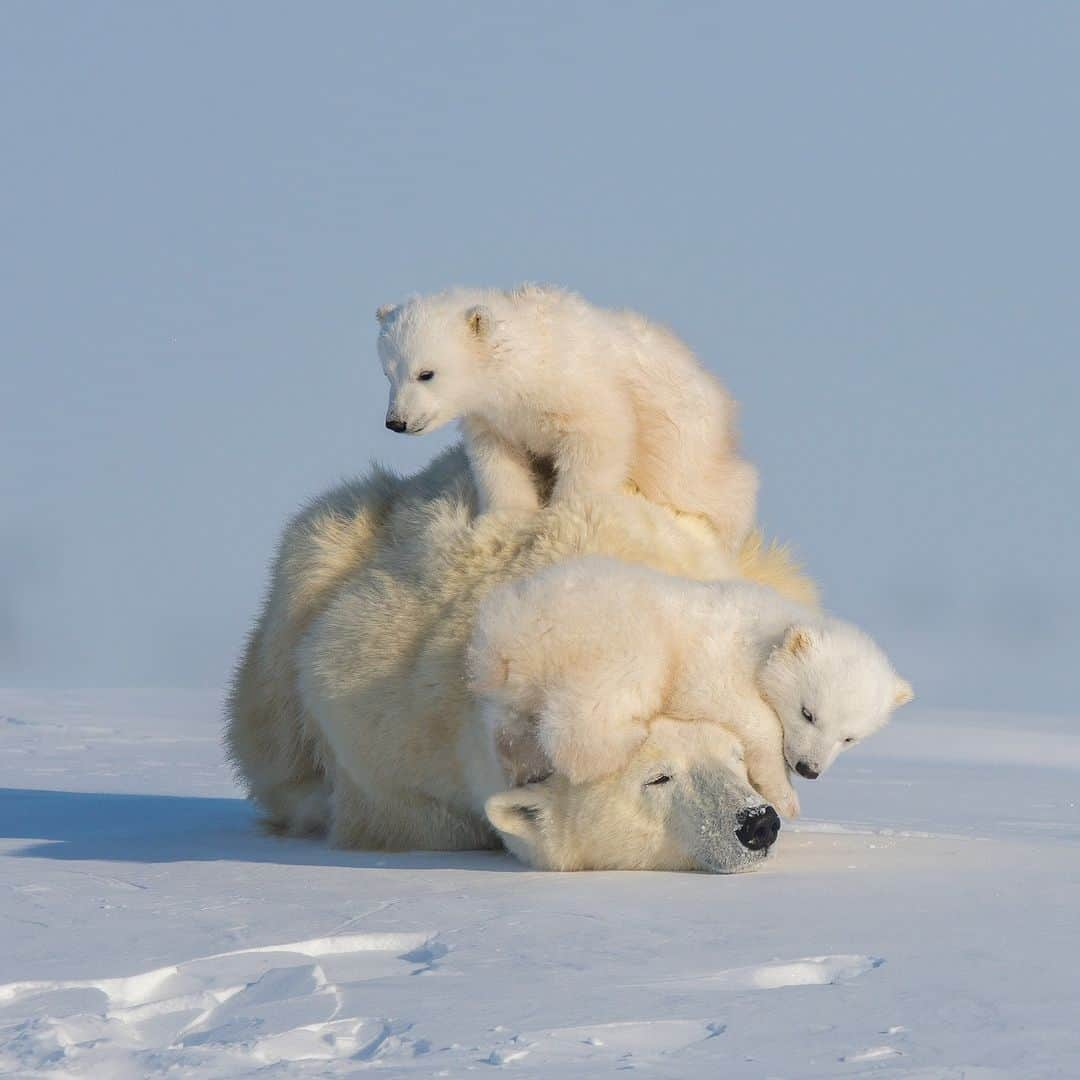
83, 825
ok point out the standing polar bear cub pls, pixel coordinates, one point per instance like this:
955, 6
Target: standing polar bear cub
586, 651
607, 397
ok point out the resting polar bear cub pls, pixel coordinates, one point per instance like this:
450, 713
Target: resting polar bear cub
537, 372
593, 647
350, 712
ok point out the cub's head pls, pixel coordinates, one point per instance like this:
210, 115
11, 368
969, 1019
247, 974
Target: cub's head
430, 348
831, 686
680, 801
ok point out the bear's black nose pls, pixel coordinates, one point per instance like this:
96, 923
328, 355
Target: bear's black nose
758, 827
396, 425
804, 770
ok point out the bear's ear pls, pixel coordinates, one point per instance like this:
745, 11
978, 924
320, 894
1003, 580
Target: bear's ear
522, 811
479, 320
384, 311
904, 692
798, 640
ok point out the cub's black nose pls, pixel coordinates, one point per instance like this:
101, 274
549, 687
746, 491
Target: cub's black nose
758, 827
804, 770
396, 425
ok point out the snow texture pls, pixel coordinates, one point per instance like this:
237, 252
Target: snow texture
921, 922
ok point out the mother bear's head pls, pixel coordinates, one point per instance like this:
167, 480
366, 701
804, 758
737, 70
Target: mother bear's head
680, 800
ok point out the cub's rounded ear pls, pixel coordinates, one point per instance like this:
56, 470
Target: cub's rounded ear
904, 692
798, 640
479, 320
522, 811
384, 311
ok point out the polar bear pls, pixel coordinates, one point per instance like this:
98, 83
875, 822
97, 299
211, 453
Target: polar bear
594, 647
538, 373
350, 712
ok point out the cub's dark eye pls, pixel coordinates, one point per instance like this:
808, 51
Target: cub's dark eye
848, 742
663, 778
426, 376
807, 715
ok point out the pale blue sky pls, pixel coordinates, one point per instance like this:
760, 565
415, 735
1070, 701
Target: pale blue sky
863, 216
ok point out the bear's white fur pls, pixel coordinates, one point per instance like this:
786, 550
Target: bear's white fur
594, 647
538, 373
350, 711
677, 802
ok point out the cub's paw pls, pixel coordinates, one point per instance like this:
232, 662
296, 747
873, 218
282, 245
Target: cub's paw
787, 805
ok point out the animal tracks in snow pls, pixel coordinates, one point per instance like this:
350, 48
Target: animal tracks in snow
217, 1015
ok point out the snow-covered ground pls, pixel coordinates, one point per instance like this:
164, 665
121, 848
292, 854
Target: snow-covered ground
922, 920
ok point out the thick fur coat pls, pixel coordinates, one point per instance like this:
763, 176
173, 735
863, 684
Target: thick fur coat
350, 711
594, 647
607, 396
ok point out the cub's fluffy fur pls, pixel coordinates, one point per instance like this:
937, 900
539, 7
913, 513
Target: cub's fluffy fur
594, 647
538, 373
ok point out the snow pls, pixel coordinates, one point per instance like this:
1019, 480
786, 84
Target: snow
920, 922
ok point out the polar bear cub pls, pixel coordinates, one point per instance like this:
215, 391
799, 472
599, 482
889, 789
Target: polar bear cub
537, 374
595, 647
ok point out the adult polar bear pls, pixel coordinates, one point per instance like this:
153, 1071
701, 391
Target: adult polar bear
350, 712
